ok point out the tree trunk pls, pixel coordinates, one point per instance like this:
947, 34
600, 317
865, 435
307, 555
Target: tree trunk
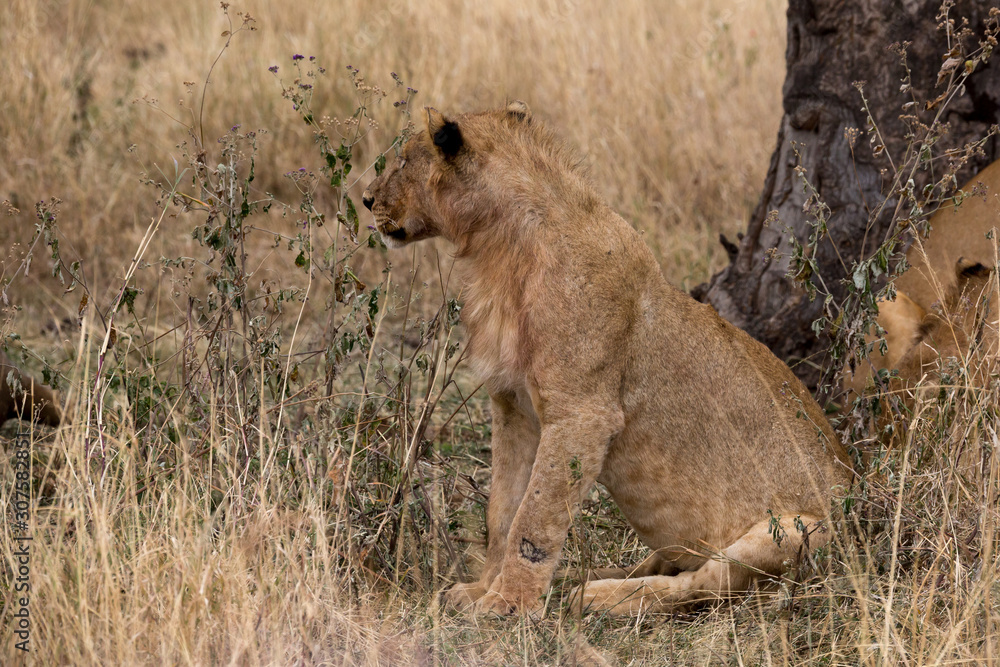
831, 45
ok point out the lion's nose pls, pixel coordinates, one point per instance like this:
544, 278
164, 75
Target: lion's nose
367, 200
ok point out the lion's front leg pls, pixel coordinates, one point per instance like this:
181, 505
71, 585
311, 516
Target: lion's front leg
514, 443
569, 459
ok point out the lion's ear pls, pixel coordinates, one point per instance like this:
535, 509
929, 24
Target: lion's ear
968, 268
519, 110
435, 120
443, 132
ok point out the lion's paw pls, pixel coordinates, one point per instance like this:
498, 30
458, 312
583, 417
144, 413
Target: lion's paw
462, 597
501, 603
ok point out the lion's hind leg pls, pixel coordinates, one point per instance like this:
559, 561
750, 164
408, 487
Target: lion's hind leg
652, 565
764, 551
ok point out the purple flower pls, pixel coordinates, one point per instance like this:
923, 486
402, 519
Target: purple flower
273, 69
297, 57
312, 58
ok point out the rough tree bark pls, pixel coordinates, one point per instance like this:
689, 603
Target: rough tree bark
832, 44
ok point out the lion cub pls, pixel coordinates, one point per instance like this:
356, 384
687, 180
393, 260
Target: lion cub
598, 370
948, 272
963, 327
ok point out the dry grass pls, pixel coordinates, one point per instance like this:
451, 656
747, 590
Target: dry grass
199, 510
674, 105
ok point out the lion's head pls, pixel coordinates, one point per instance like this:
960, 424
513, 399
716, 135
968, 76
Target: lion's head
399, 197
961, 326
941, 295
409, 199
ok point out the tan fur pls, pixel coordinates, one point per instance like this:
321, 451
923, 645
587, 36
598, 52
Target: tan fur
940, 312
598, 370
956, 233
900, 320
963, 328
31, 400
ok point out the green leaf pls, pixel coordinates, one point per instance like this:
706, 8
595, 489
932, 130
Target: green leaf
379, 165
128, 298
352, 218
